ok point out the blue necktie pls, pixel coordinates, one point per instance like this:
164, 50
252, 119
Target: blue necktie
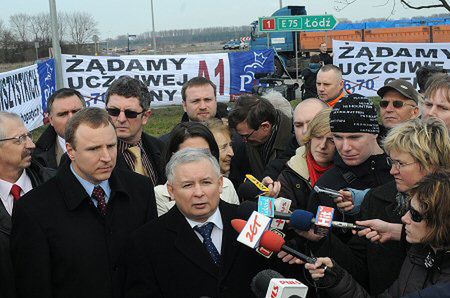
205, 231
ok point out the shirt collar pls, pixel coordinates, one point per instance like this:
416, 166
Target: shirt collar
89, 187
122, 146
215, 218
24, 182
62, 144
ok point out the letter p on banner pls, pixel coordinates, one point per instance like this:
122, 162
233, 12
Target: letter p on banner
256, 225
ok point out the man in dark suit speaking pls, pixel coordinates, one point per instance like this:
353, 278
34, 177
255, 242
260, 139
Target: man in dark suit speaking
192, 251
68, 235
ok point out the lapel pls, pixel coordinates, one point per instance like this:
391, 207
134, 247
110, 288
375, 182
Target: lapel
74, 193
5, 220
229, 243
187, 242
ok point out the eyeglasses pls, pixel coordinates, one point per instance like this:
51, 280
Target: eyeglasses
128, 113
398, 164
246, 137
396, 104
415, 215
20, 139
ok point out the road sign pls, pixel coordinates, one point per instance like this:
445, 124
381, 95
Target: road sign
297, 23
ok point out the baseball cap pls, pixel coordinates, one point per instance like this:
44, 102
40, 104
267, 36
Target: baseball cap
403, 87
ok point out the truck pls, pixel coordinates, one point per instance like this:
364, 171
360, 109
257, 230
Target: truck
421, 30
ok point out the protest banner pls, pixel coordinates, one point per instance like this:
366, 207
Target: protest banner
368, 66
25, 91
233, 73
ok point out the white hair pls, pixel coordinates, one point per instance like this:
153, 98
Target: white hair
190, 155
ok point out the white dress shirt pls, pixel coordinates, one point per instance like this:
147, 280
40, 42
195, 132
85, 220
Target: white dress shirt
216, 234
5, 190
62, 144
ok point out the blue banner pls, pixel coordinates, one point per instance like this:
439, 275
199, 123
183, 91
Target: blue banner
47, 80
244, 66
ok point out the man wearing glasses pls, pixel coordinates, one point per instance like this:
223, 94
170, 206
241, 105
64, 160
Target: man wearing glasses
61, 106
398, 103
18, 175
128, 104
266, 131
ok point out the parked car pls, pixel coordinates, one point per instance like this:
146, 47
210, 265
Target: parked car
232, 45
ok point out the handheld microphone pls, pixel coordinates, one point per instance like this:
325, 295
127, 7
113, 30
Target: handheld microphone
270, 284
273, 242
300, 219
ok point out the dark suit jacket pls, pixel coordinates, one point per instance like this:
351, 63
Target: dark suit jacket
37, 175
62, 247
45, 151
167, 259
155, 150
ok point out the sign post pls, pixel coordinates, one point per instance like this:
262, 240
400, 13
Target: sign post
297, 23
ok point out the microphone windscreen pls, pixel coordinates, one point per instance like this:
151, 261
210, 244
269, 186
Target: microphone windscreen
271, 241
246, 208
260, 283
301, 220
248, 191
238, 224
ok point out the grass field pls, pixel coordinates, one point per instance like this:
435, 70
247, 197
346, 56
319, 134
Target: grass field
165, 118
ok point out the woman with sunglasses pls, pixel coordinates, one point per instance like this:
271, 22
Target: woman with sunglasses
309, 162
191, 135
416, 149
427, 227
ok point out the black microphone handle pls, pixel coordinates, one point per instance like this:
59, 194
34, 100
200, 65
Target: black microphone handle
282, 215
305, 258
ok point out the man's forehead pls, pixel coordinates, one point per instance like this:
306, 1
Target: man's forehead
62, 102
182, 174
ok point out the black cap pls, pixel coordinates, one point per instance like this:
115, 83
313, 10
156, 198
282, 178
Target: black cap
403, 87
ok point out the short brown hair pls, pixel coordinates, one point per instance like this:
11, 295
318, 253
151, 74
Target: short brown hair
92, 117
197, 81
432, 195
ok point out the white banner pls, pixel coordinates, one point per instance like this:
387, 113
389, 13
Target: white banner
20, 93
368, 66
164, 75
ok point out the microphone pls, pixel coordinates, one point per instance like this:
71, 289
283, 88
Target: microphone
247, 191
269, 283
274, 242
299, 219
260, 282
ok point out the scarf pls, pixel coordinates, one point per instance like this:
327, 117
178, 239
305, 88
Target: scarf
315, 170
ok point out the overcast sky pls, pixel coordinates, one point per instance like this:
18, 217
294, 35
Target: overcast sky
116, 17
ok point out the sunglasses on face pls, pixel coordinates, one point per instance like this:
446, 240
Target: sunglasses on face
415, 215
128, 113
396, 104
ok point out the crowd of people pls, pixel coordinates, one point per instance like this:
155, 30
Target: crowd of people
99, 208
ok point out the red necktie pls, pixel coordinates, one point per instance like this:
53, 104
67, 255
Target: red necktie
99, 195
15, 191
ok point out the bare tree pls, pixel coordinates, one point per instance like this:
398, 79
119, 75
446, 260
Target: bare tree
20, 24
62, 25
81, 27
342, 4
